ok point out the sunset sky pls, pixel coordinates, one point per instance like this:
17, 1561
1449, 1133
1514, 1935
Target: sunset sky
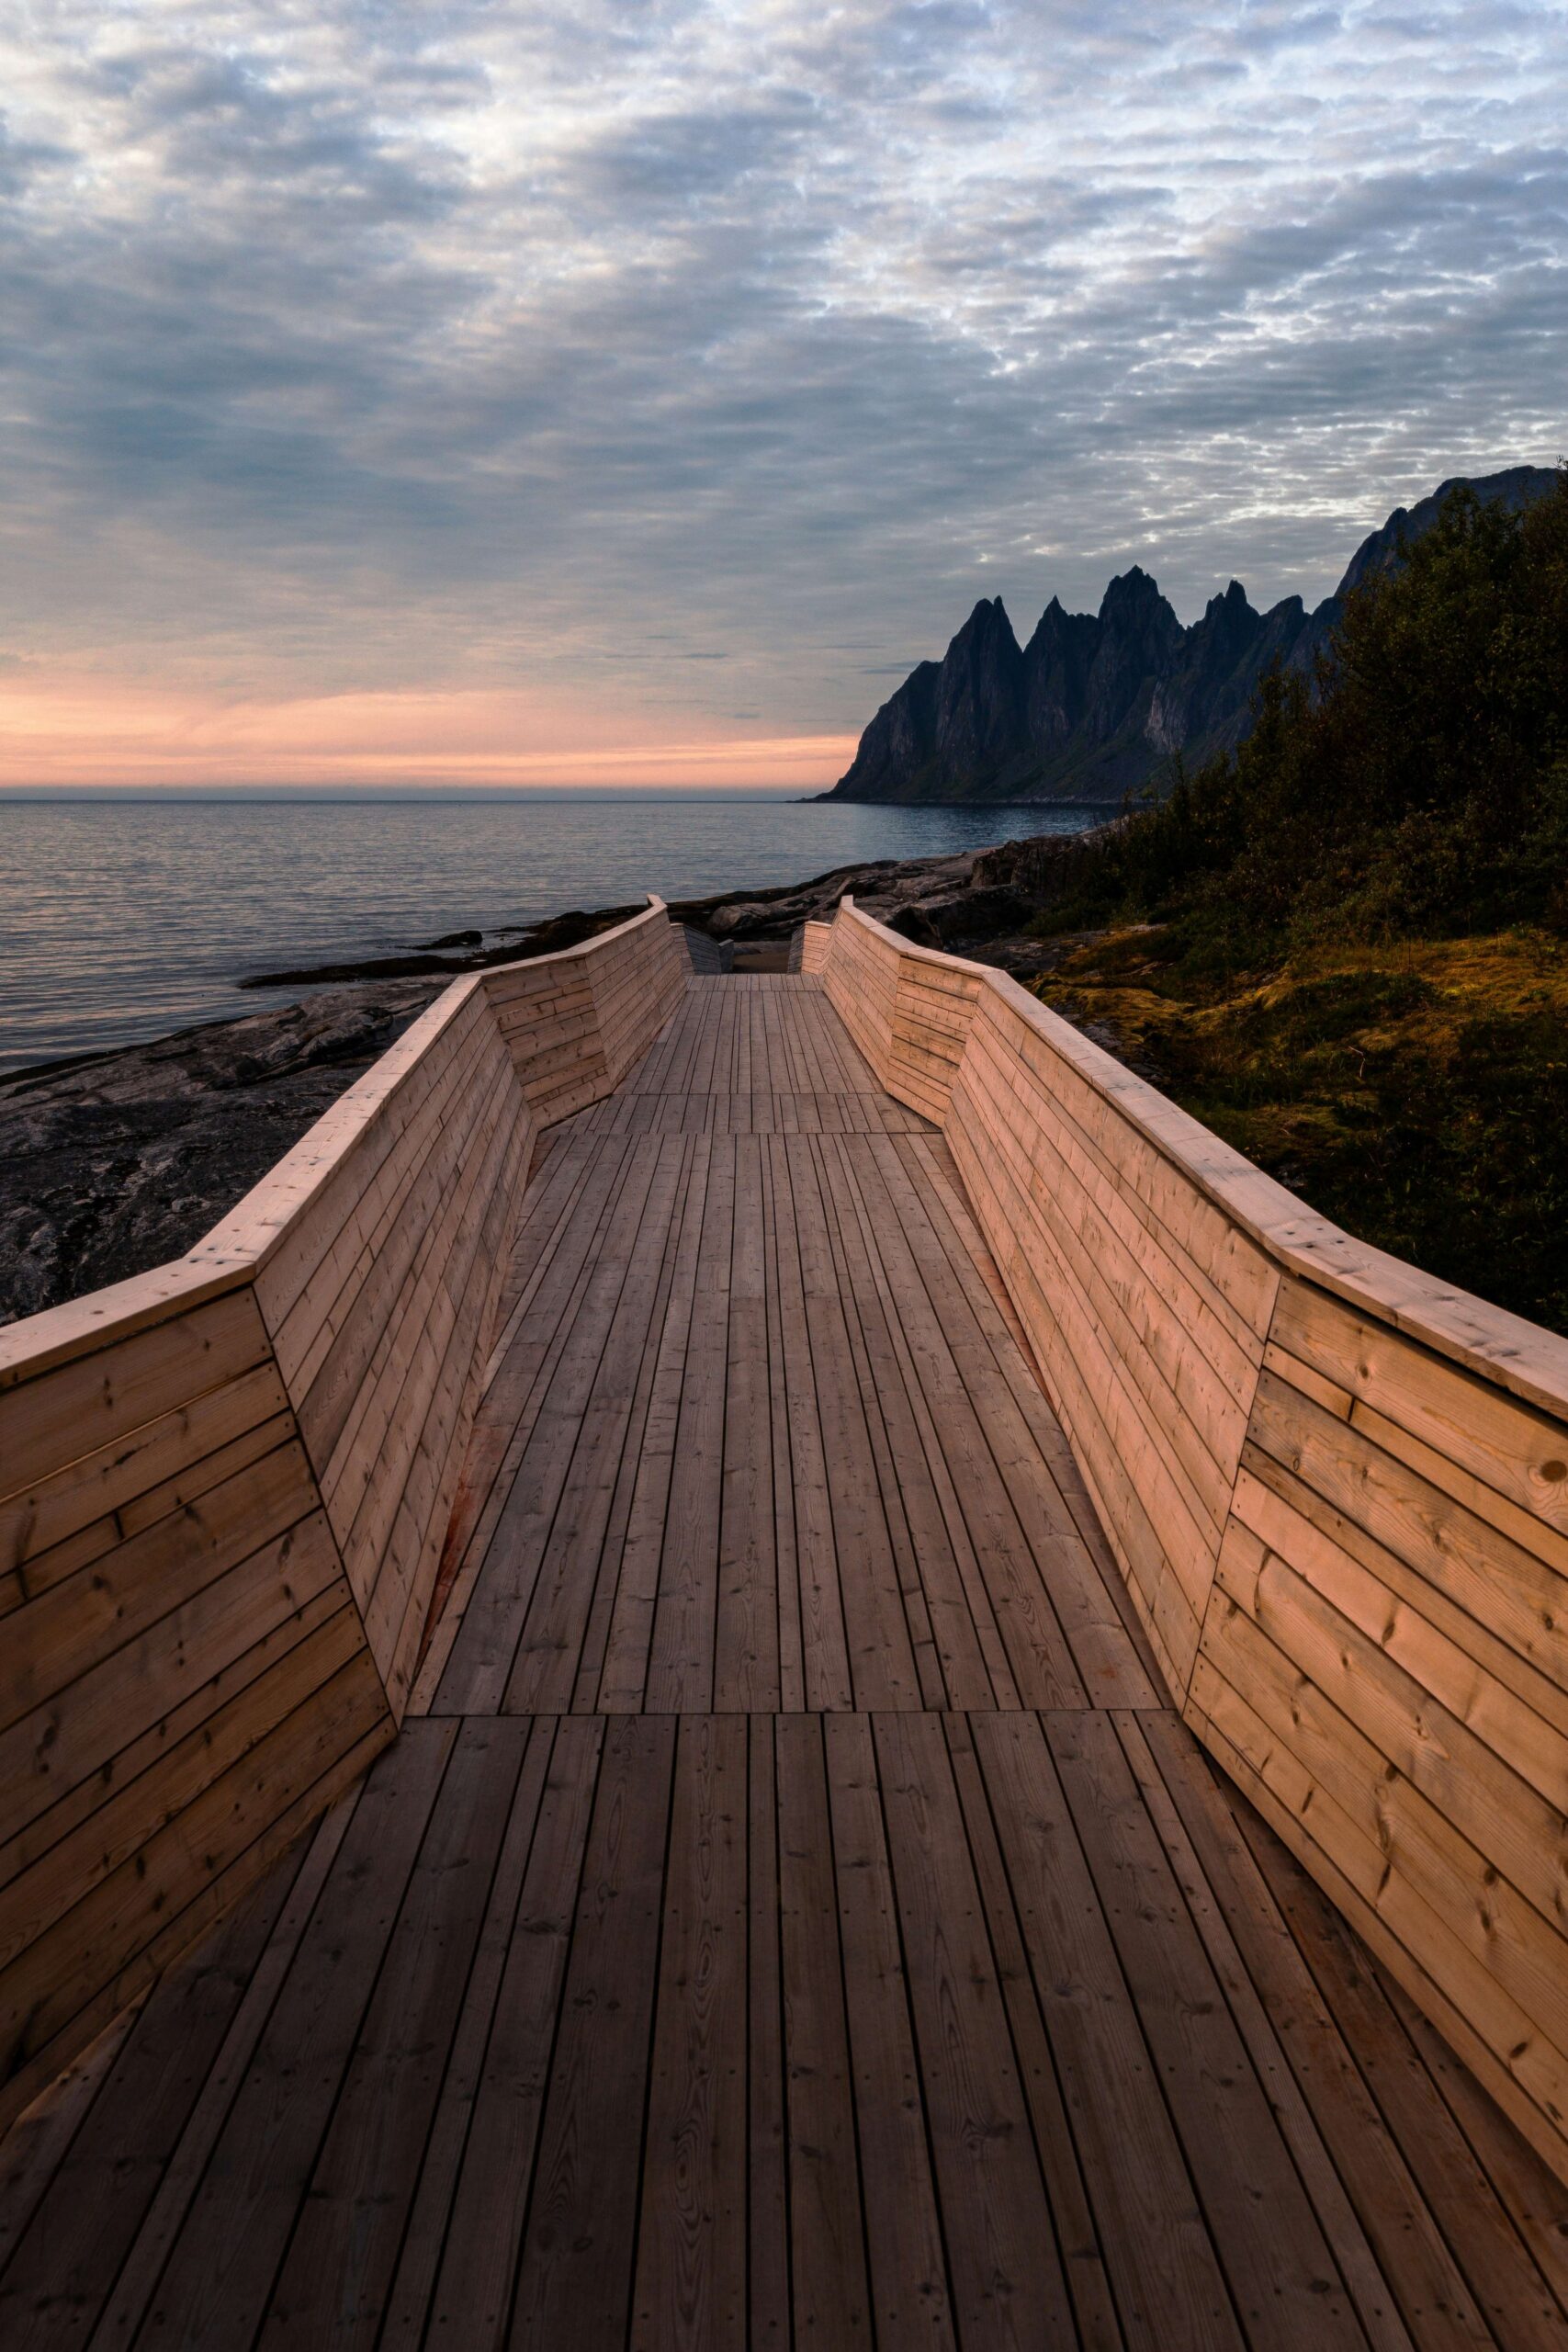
550, 394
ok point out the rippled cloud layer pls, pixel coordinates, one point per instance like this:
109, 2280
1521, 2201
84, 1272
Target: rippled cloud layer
687, 368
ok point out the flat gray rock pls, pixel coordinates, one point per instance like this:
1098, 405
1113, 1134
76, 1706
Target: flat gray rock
113, 1164
116, 1164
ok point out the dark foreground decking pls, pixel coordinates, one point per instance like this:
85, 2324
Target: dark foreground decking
792, 1914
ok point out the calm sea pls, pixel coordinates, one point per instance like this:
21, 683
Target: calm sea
121, 920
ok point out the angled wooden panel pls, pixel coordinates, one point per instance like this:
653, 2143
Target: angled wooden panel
1384, 1665
184, 1675
1337, 1491
224, 1488
1145, 1305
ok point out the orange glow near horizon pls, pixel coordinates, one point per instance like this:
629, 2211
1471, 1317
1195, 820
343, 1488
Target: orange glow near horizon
106, 733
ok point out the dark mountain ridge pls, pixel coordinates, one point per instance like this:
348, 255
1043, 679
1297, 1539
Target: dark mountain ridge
1095, 705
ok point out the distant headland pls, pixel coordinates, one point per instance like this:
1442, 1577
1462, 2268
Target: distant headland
1095, 705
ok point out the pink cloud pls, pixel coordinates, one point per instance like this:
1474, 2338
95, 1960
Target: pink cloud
102, 732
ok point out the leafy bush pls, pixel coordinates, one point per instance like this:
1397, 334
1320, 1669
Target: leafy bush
1416, 785
1346, 946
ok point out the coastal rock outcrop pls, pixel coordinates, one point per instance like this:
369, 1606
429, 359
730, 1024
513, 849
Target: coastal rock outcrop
1095, 705
112, 1163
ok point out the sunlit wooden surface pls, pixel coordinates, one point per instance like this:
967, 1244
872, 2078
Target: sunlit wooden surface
792, 1912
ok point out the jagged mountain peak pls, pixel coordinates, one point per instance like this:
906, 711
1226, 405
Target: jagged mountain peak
1134, 587
1096, 703
1513, 487
990, 612
989, 618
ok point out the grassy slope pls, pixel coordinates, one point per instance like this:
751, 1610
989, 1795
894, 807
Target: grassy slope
1417, 1093
1346, 949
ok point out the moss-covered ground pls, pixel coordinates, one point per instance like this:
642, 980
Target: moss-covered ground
1414, 1091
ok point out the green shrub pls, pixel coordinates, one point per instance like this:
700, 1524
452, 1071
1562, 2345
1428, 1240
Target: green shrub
1417, 787
1415, 791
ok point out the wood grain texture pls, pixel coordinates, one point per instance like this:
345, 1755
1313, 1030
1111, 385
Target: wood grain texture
911, 1979
225, 1489
1145, 1305
1336, 1491
915, 2028
1384, 1661
749, 1441
184, 1667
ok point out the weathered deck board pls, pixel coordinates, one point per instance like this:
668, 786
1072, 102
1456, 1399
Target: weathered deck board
796, 1916
1003, 2098
821, 1319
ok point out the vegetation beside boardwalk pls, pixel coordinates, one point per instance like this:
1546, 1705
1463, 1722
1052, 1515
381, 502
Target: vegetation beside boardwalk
1345, 945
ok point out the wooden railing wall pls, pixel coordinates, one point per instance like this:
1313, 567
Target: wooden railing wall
814, 941
224, 1488
1336, 1488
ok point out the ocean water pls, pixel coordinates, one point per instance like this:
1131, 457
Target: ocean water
121, 920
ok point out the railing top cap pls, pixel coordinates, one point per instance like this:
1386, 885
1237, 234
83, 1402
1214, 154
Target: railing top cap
1489, 1341
238, 1246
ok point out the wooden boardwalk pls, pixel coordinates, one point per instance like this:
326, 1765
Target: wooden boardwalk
792, 1914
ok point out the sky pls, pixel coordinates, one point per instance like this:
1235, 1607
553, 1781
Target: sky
486, 393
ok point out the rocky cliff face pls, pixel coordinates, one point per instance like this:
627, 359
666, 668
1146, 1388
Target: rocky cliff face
1095, 705
118, 1161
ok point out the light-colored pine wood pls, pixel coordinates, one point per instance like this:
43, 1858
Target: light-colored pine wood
225, 1486
1338, 1491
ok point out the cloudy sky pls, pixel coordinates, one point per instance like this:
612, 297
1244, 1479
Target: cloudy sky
489, 391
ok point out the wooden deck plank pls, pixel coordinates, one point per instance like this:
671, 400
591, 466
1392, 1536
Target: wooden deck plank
216, 2283
831, 2304
624, 1673
472, 2298
1012, 1447
691, 2287
902, 1475
485, 1645
767, 2149
673, 1534
546, 1664
1008, 2286
882, 1665
790, 2028
907, 2257
590, 1664
337, 2275
1168, 2281
825, 1658
777, 1243
975, 1670
1281, 2272
1517, 2304
1017, 1598
1416, 2274
575, 2282
685, 1618
746, 1646
521, 1374
408, 2305
61, 2269
1083, 2258
738, 1956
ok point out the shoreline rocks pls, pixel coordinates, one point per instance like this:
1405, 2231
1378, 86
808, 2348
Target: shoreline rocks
112, 1162
516, 943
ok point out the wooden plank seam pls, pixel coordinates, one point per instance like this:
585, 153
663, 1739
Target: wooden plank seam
364, 1242
1449, 1463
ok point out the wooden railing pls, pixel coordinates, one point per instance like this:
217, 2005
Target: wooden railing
224, 1488
1338, 1491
